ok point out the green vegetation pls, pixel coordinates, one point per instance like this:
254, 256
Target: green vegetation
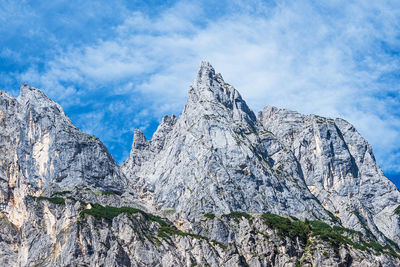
238, 215
165, 231
393, 244
237, 132
190, 190
100, 212
219, 244
287, 227
170, 211
107, 212
58, 200
77, 200
335, 235
362, 221
333, 217
54, 200
397, 210
279, 169
209, 215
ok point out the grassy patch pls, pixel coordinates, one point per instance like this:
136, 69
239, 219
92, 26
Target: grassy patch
77, 200
170, 211
397, 210
279, 169
333, 217
287, 227
219, 244
328, 234
393, 244
106, 212
54, 200
209, 215
165, 231
238, 215
336, 235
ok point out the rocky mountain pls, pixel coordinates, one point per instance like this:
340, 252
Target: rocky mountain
216, 186
41, 150
217, 158
339, 169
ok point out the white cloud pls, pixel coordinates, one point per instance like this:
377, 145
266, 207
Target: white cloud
326, 58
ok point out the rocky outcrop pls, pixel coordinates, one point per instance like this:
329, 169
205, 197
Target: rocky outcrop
43, 152
70, 232
214, 158
215, 186
340, 170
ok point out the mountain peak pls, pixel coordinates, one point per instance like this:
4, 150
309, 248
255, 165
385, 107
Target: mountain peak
205, 75
34, 96
139, 140
26, 90
210, 89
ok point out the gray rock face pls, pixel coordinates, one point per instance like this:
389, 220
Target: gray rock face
340, 170
215, 173
216, 158
42, 150
53, 236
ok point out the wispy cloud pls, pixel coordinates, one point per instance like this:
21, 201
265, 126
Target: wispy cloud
335, 58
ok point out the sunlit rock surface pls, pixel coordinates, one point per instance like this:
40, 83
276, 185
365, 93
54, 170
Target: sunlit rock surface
202, 191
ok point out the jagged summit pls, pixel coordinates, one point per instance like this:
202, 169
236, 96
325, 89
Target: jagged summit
213, 158
139, 140
34, 95
217, 123
205, 75
210, 95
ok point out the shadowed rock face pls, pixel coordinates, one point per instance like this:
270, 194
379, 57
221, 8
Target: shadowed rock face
215, 173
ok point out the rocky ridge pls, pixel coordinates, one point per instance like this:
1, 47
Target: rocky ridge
217, 158
216, 186
339, 169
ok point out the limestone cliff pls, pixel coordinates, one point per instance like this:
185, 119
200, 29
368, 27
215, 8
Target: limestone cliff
215, 186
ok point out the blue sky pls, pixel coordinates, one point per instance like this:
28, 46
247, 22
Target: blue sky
119, 65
